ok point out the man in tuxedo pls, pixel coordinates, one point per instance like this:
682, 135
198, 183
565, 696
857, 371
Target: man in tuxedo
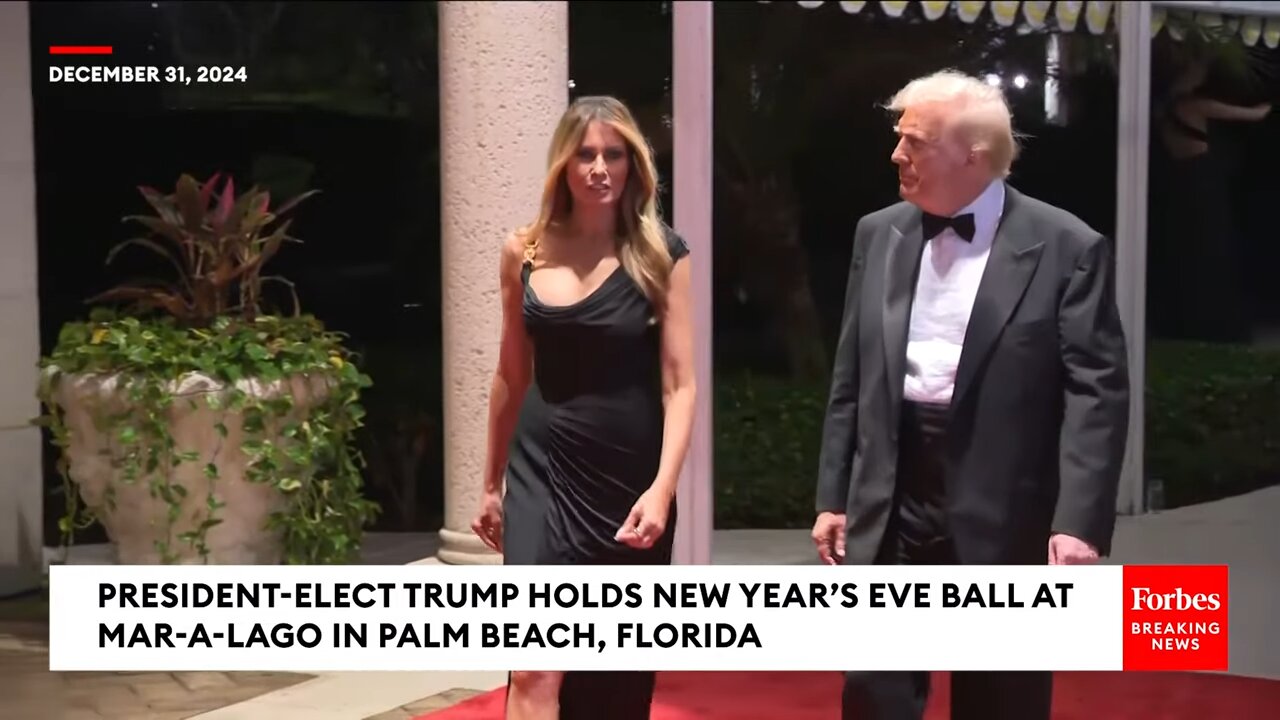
979, 401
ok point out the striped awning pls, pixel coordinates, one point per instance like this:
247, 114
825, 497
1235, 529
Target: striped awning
1097, 16
1249, 28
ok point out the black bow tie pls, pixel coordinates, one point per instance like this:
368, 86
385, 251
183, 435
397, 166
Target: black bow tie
961, 224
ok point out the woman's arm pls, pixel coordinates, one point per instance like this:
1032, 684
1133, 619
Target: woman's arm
1226, 111
678, 385
514, 371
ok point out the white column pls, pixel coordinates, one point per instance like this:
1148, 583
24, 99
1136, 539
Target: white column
1133, 135
504, 75
21, 518
692, 83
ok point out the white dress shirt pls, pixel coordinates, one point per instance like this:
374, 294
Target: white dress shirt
950, 272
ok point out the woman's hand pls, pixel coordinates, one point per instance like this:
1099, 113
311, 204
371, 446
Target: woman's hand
488, 524
647, 520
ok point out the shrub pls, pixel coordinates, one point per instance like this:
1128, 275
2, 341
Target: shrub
1212, 431
281, 391
768, 431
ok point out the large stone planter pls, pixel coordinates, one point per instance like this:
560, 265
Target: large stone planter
137, 521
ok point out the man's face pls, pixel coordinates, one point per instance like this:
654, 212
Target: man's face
934, 168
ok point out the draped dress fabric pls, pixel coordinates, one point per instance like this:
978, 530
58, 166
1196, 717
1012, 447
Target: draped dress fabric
587, 444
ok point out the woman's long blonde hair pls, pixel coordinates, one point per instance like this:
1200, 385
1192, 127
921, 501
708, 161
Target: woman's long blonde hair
642, 247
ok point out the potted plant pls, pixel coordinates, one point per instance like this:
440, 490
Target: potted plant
195, 426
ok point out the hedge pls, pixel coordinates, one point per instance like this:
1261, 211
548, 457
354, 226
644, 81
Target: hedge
1212, 422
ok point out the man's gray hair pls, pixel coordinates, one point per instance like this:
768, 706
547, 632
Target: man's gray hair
979, 109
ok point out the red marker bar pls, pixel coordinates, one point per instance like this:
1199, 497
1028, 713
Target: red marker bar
80, 50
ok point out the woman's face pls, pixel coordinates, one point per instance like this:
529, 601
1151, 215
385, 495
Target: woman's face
597, 173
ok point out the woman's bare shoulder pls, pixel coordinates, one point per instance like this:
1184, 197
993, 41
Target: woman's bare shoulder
514, 247
515, 241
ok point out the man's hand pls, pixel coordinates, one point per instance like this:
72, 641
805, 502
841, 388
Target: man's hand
1066, 550
828, 535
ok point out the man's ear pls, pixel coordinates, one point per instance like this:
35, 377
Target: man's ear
976, 152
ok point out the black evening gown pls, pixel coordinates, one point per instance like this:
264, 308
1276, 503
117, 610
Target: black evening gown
587, 444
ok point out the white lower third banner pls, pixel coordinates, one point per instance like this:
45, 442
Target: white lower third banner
415, 617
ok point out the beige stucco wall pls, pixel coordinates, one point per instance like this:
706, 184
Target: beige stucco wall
21, 518
503, 85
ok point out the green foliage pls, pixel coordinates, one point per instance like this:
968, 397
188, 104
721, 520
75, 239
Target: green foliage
352, 61
1211, 423
209, 325
1212, 432
768, 432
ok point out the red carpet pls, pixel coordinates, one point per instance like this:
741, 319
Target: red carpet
816, 696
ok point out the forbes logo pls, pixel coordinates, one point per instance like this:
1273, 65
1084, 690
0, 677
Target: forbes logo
1176, 617
1145, 599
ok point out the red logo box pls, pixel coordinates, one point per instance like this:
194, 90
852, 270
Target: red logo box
1175, 617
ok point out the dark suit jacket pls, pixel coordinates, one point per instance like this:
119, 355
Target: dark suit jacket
1039, 414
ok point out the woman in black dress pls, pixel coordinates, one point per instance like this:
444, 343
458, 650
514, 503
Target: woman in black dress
593, 399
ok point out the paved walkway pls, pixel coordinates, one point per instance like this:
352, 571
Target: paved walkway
1241, 532
31, 692
28, 691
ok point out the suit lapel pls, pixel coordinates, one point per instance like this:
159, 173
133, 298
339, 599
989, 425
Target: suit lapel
1010, 266
902, 265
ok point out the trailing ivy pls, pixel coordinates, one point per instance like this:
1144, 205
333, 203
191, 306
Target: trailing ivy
316, 466
208, 327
